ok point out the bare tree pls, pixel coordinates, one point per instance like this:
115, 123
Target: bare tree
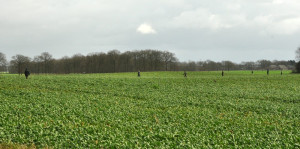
298, 60
125, 60
167, 58
298, 67
157, 59
37, 64
46, 60
298, 54
78, 63
191, 66
248, 65
264, 64
209, 65
92, 63
228, 65
114, 57
66, 65
19, 63
144, 55
3, 62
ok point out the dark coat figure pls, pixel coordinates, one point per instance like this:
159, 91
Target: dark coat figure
252, 71
27, 73
268, 71
281, 72
139, 74
222, 73
185, 74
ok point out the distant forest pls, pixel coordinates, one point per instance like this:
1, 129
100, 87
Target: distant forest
130, 61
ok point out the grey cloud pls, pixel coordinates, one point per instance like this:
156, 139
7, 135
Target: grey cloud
193, 29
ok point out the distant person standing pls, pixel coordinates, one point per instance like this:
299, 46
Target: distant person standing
27, 73
222, 73
139, 73
185, 74
281, 72
268, 71
252, 72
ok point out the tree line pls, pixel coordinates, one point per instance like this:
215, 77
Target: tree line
129, 61
112, 61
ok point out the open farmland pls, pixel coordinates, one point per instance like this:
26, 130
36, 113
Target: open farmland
159, 109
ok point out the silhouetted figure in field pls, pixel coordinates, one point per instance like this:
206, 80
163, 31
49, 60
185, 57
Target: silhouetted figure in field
139, 73
185, 74
268, 71
27, 73
252, 72
281, 72
222, 73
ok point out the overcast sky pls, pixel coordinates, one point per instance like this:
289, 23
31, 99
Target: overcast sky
236, 30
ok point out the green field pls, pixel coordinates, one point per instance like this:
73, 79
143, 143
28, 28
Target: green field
158, 110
